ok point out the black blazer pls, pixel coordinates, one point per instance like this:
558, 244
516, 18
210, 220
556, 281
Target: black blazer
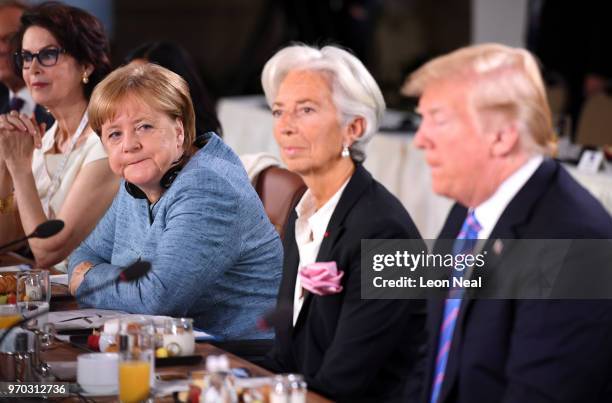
527, 351
40, 113
347, 348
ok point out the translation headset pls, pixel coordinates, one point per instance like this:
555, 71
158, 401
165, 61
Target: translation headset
171, 174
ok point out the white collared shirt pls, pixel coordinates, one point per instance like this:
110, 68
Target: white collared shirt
310, 228
28, 103
489, 211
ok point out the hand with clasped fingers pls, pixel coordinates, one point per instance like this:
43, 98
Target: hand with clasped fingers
19, 135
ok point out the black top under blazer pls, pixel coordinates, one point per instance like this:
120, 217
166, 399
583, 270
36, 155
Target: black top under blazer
530, 351
348, 348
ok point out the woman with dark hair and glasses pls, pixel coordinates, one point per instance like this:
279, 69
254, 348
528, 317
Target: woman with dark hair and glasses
175, 58
62, 53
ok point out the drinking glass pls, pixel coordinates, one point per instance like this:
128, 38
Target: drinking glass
136, 340
33, 295
9, 315
134, 378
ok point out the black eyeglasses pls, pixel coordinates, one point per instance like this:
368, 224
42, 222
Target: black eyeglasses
46, 57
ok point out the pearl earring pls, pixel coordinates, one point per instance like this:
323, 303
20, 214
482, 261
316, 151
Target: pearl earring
345, 151
85, 78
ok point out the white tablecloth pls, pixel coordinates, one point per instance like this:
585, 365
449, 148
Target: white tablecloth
391, 158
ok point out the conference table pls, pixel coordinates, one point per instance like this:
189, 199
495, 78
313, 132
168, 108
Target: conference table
67, 352
391, 157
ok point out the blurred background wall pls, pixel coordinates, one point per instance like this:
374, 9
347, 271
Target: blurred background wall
230, 40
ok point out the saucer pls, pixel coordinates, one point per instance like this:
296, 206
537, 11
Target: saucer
104, 390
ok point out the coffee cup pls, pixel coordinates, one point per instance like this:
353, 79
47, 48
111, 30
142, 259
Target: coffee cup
97, 373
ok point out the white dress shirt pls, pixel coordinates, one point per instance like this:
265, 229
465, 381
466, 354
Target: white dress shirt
45, 165
310, 229
489, 211
28, 103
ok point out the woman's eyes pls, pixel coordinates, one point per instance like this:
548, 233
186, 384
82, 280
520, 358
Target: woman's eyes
306, 110
144, 126
303, 110
113, 135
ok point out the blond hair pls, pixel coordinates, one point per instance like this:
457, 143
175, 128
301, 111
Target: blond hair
500, 79
157, 87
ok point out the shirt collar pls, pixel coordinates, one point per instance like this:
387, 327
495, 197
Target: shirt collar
488, 212
28, 103
318, 219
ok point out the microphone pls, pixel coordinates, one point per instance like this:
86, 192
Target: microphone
134, 271
131, 273
276, 317
47, 229
44, 230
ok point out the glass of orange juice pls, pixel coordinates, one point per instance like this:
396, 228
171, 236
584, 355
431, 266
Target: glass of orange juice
9, 315
136, 359
134, 380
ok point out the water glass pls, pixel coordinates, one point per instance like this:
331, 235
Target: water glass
33, 295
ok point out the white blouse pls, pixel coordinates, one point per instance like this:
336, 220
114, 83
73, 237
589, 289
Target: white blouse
310, 228
45, 166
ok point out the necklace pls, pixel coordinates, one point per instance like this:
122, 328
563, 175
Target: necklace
56, 178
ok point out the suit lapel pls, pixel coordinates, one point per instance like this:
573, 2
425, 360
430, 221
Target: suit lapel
519, 209
42, 116
4, 100
292, 255
287, 287
507, 227
40, 113
358, 183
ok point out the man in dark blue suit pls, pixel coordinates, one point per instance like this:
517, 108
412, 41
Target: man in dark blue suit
13, 93
487, 133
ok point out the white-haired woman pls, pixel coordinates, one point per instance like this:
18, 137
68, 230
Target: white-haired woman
326, 107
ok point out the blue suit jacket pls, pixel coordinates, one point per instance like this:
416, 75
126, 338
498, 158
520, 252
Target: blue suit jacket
530, 350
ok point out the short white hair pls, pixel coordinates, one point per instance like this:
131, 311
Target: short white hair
354, 90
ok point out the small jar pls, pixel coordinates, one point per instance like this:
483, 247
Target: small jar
288, 388
178, 337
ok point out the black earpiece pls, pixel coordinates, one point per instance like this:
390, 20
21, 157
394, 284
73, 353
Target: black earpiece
170, 175
164, 182
134, 191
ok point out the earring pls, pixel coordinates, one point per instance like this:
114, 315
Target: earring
85, 78
345, 151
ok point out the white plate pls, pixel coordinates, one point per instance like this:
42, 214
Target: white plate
102, 392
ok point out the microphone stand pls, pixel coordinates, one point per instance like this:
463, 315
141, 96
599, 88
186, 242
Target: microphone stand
43, 230
7, 247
